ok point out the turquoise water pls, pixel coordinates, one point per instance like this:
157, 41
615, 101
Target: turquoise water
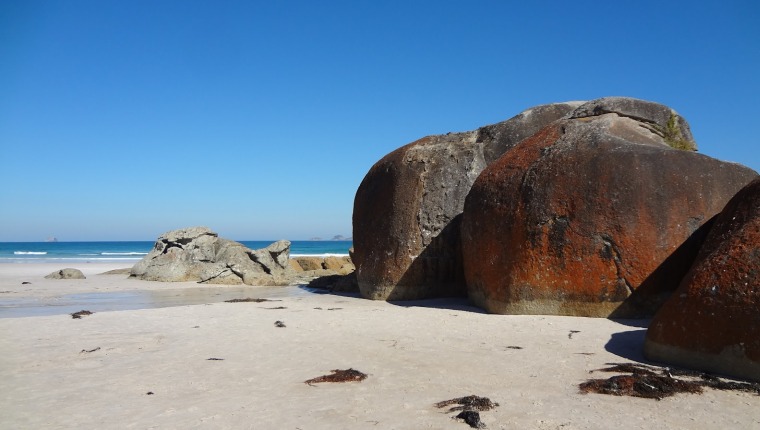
114, 252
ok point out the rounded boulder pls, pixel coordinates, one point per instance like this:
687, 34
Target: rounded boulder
712, 322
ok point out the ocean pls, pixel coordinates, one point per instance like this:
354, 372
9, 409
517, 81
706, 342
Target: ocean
115, 252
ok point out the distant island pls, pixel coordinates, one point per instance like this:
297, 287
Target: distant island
336, 237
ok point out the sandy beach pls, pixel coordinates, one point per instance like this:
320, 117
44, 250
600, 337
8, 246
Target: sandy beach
212, 364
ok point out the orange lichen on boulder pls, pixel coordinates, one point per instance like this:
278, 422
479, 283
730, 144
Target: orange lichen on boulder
712, 322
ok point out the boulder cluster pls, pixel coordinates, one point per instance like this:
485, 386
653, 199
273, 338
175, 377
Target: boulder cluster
200, 255
197, 254
600, 208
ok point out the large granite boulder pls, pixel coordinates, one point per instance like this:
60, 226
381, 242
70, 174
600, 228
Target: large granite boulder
198, 254
406, 210
712, 322
67, 273
598, 214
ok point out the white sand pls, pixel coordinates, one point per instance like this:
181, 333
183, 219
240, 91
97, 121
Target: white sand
414, 356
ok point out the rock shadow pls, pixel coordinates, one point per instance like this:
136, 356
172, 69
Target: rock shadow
451, 303
438, 271
657, 288
628, 345
321, 290
630, 322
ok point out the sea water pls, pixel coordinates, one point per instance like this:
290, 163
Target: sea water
131, 252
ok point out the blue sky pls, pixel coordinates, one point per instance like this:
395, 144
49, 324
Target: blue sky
121, 120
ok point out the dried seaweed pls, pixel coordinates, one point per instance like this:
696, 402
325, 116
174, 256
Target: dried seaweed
87, 351
717, 384
640, 385
249, 299
279, 324
215, 359
276, 307
469, 407
468, 403
634, 368
472, 418
80, 314
659, 382
348, 375
572, 332
514, 347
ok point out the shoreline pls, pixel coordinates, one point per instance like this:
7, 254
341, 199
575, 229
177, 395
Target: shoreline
133, 261
97, 371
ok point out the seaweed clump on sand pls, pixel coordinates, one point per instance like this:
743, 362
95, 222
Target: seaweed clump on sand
469, 407
468, 403
348, 375
80, 314
651, 382
249, 299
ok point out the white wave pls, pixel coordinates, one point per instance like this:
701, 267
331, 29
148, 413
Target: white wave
123, 253
29, 252
81, 259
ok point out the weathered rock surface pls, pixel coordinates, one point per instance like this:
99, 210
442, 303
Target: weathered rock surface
309, 263
125, 271
406, 210
66, 274
595, 215
198, 254
334, 264
340, 265
653, 117
712, 321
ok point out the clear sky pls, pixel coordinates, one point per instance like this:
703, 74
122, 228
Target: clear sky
120, 120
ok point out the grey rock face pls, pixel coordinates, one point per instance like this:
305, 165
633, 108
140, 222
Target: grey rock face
653, 117
66, 274
499, 138
197, 254
406, 233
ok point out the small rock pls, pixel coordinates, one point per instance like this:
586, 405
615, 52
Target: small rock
66, 274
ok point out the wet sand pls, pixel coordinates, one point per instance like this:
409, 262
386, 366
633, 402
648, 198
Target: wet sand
151, 368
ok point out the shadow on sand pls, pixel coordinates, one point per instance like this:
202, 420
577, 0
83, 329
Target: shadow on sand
628, 345
451, 303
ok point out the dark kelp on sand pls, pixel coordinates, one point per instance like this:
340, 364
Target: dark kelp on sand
348, 375
471, 418
80, 314
651, 382
469, 407
250, 300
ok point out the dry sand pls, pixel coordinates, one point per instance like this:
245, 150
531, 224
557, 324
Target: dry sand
96, 372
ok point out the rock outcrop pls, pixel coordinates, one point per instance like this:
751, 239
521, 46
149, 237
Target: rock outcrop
336, 265
712, 321
597, 214
66, 274
198, 254
407, 208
